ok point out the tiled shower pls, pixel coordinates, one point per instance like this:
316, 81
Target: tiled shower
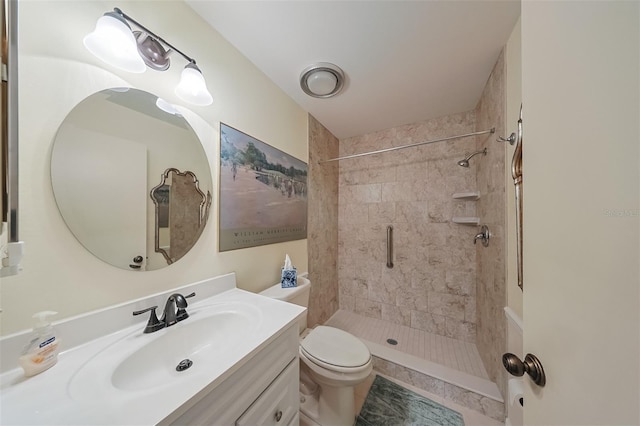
431, 286
441, 283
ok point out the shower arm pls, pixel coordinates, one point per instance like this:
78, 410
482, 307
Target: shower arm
482, 151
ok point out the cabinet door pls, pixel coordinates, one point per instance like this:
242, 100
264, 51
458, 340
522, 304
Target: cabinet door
235, 395
278, 404
295, 421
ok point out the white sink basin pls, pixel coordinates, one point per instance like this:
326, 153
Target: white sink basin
196, 340
112, 374
147, 362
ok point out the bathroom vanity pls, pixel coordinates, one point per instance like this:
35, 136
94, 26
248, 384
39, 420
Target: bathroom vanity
262, 392
240, 351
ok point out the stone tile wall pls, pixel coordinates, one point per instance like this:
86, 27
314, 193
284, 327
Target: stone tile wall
477, 402
491, 267
432, 285
322, 225
440, 282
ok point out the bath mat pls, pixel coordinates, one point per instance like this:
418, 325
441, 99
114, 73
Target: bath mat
389, 404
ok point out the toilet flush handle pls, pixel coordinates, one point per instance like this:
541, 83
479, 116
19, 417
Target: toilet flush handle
531, 365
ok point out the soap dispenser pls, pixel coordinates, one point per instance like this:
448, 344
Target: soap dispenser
42, 351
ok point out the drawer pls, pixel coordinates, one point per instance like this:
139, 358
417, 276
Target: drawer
279, 403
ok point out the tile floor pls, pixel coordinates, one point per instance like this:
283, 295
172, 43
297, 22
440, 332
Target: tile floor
455, 354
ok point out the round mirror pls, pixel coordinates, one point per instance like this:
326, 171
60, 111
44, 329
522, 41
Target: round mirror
131, 179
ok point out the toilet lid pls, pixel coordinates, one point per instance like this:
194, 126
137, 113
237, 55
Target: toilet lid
335, 347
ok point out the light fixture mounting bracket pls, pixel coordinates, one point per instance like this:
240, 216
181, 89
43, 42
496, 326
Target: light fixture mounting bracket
152, 52
157, 39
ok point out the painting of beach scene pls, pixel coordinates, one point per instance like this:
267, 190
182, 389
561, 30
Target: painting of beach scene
263, 193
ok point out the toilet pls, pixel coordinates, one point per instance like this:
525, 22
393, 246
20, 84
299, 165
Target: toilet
332, 363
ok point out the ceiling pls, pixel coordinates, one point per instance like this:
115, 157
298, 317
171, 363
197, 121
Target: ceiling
405, 61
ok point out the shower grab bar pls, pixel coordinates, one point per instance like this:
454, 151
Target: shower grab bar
516, 173
395, 148
389, 246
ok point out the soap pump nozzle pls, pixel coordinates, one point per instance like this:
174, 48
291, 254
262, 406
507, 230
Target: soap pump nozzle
41, 319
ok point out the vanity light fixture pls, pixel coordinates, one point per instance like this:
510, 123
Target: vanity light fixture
322, 80
166, 107
114, 42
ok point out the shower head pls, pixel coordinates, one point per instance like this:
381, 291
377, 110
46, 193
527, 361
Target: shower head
465, 162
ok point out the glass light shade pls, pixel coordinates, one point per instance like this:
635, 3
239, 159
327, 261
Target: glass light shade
322, 83
166, 107
192, 88
113, 42
322, 80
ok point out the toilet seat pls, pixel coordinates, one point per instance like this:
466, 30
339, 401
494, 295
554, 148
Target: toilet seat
335, 350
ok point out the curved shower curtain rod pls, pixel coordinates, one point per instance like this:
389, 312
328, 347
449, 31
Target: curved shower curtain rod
395, 148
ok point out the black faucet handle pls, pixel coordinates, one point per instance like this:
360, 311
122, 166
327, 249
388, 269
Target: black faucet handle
182, 314
154, 324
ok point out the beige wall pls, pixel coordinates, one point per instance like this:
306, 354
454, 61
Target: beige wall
432, 284
56, 72
323, 224
491, 287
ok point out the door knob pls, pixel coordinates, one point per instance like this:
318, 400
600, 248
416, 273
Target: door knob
531, 365
136, 262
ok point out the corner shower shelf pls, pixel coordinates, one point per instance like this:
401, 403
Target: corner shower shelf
467, 196
466, 220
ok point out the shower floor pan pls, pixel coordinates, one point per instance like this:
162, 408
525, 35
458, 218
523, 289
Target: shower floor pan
441, 365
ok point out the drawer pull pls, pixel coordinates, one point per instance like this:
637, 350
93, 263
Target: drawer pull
278, 415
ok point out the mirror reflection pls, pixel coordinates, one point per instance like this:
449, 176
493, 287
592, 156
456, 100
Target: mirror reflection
110, 152
181, 213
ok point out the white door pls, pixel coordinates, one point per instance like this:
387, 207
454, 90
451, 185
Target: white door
100, 185
580, 81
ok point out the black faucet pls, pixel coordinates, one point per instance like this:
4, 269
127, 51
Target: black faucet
175, 309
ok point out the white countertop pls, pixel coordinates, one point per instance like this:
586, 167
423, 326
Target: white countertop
60, 395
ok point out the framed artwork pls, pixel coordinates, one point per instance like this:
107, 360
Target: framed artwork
263, 193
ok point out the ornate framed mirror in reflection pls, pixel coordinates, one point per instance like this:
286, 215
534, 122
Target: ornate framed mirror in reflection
181, 211
110, 152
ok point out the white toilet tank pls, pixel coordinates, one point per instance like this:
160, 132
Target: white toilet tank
298, 295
